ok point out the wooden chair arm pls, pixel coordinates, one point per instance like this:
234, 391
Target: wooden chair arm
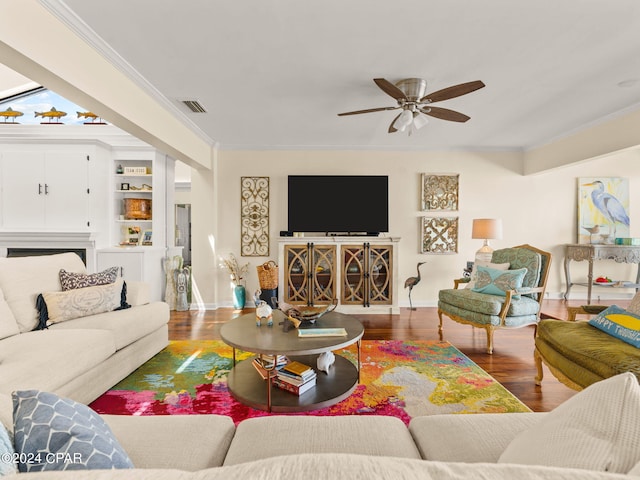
458, 281
509, 294
584, 310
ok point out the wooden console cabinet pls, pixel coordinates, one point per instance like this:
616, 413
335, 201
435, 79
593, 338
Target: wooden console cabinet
359, 272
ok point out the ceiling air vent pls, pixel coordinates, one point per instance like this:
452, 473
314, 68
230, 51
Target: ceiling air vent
194, 106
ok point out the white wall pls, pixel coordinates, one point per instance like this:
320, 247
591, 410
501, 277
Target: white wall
538, 209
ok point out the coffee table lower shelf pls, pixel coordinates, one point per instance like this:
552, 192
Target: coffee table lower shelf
247, 387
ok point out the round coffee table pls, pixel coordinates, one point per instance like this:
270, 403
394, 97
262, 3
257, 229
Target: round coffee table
246, 385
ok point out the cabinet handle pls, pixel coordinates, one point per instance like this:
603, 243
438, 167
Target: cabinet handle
46, 189
39, 189
122, 271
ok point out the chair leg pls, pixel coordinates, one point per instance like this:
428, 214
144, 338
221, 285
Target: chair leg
440, 325
489, 329
538, 361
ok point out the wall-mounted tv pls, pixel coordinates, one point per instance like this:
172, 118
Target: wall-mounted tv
351, 204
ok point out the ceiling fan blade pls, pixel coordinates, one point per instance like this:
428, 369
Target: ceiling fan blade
452, 92
445, 114
369, 110
393, 129
390, 89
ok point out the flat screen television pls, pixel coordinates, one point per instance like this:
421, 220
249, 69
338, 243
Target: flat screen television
351, 204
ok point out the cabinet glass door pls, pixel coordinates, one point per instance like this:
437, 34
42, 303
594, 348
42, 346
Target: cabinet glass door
296, 274
366, 275
353, 275
379, 267
324, 273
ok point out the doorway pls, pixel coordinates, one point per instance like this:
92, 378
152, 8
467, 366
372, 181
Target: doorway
183, 231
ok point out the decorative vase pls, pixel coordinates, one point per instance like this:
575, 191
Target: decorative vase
239, 297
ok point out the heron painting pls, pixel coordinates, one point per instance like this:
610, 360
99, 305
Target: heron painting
603, 209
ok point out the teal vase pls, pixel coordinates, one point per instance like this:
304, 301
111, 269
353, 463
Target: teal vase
239, 297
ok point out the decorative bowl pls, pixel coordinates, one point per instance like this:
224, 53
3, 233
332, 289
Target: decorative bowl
311, 313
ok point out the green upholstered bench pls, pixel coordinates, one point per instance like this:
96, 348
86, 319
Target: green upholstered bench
578, 354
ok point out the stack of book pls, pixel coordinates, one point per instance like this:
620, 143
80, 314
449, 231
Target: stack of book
295, 377
263, 364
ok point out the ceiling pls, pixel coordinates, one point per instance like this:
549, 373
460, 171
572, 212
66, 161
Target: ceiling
274, 74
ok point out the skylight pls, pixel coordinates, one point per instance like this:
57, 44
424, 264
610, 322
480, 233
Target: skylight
41, 107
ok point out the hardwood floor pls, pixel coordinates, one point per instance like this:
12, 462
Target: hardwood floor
511, 363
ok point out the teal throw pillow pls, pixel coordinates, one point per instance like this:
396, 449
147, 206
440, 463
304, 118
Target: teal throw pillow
498, 282
55, 433
7, 454
619, 323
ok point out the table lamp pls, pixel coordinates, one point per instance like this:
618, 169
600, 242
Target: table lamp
486, 229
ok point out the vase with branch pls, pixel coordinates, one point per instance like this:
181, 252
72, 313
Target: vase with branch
237, 274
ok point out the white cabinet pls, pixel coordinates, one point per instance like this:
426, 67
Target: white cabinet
136, 264
47, 190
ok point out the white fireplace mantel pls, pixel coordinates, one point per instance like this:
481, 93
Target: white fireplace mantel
50, 239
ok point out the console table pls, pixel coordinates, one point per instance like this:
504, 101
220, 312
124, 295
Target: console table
591, 253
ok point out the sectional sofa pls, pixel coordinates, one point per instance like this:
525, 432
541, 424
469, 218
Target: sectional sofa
595, 434
79, 358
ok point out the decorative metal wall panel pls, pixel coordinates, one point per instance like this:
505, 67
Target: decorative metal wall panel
254, 216
440, 192
439, 235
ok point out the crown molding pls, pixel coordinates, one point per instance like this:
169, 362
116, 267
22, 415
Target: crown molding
68, 17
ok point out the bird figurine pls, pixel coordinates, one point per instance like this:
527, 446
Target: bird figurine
592, 231
412, 282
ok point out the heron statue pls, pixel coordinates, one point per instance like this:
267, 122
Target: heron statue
412, 282
608, 205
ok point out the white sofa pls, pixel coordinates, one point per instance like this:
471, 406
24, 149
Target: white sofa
595, 431
80, 358
595, 434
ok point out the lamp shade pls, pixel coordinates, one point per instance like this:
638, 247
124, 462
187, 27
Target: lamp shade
487, 228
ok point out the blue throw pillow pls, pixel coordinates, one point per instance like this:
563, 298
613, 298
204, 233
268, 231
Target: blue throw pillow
497, 282
54, 433
7, 453
619, 323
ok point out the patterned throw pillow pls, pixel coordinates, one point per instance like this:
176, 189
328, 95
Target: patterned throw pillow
619, 323
57, 307
497, 282
55, 433
7, 453
480, 263
71, 281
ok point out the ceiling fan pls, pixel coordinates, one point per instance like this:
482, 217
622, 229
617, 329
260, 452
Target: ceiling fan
412, 99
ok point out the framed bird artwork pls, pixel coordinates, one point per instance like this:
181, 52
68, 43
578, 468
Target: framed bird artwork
603, 209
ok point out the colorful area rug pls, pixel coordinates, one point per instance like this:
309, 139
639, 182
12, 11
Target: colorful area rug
404, 379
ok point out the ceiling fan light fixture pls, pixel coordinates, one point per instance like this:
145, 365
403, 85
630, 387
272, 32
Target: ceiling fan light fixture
420, 121
409, 94
403, 121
